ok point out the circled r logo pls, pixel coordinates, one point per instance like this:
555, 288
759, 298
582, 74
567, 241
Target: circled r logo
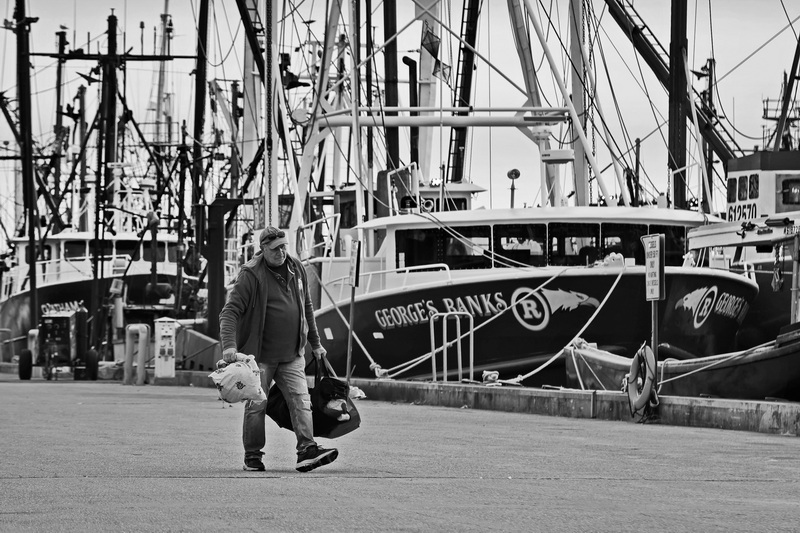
530, 309
705, 306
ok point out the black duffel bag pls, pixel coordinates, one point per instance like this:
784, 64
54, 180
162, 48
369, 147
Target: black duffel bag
326, 387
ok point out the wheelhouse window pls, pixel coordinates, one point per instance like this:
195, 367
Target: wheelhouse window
791, 192
466, 247
45, 253
574, 243
417, 247
674, 243
457, 247
148, 252
624, 239
520, 244
753, 186
75, 250
103, 251
172, 253
731, 190
742, 194
129, 248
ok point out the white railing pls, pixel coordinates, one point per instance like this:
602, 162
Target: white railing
57, 271
306, 233
457, 315
366, 285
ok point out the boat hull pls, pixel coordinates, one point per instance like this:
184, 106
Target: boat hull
771, 310
15, 312
518, 327
769, 371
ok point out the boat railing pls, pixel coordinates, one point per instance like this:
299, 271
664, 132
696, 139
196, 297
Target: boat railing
458, 316
236, 255
368, 280
55, 271
308, 245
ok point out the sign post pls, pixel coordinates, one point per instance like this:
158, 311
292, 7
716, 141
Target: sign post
355, 267
655, 289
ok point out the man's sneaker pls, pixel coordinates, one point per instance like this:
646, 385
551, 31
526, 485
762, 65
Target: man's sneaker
254, 464
315, 456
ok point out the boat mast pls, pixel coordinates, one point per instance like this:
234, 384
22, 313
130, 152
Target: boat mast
199, 117
355, 132
104, 192
579, 68
22, 30
59, 127
523, 43
390, 83
788, 90
532, 15
677, 104
160, 140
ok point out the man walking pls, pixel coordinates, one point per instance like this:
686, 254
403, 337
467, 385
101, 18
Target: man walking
269, 314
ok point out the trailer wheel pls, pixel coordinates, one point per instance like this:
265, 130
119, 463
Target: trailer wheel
25, 366
91, 365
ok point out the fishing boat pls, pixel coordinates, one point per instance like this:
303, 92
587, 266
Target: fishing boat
519, 283
762, 186
110, 240
767, 370
522, 284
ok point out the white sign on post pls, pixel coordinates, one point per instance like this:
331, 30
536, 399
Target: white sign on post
654, 266
355, 263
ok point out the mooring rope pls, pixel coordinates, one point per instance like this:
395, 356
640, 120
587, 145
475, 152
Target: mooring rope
722, 359
404, 367
519, 379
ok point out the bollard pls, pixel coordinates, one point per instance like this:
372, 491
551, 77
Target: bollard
33, 345
132, 332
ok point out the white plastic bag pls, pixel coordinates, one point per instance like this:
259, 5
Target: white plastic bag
239, 381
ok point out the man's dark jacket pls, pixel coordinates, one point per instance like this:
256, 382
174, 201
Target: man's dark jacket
241, 321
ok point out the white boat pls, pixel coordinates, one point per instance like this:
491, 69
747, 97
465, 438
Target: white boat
108, 233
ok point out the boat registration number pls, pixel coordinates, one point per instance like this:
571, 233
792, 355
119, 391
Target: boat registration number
791, 230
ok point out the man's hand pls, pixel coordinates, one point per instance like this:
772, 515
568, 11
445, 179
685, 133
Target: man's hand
319, 352
229, 355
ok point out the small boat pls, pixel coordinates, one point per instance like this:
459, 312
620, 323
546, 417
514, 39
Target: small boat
768, 371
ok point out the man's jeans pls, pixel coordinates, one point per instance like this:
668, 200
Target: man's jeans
291, 380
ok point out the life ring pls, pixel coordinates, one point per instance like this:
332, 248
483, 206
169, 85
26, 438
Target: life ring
639, 397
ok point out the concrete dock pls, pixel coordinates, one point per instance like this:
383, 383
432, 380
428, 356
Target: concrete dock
101, 456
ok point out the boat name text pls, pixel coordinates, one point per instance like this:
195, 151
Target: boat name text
532, 309
61, 307
704, 301
420, 312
